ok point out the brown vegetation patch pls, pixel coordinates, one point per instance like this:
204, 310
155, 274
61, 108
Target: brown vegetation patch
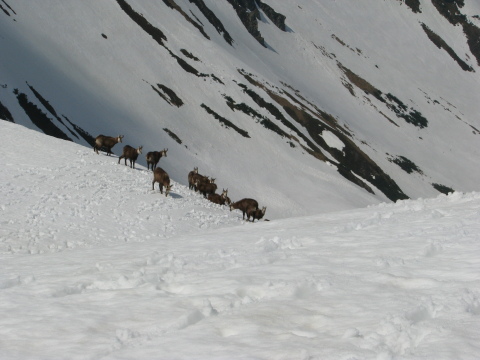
353, 163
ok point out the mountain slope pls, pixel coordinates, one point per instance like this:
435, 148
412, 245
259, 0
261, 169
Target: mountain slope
96, 265
378, 98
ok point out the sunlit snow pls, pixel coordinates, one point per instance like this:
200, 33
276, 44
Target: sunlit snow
96, 265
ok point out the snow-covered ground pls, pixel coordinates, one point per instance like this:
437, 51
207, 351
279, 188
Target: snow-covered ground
94, 65
96, 265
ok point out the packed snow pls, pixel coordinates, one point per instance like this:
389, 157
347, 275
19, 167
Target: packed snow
96, 265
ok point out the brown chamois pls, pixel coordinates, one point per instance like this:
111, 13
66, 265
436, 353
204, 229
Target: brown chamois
131, 154
206, 188
256, 213
244, 205
107, 142
153, 157
161, 176
200, 179
191, 183
217, 198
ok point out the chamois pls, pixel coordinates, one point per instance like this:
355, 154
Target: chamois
244, 205
161, 176
217, 198
205, 187
153, 157
200, 179
131, 154
191, 183
256, 213
106, 141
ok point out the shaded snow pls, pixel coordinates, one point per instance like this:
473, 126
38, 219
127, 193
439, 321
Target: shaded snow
105, 86
96, 265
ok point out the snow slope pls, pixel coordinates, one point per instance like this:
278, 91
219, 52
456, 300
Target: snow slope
96, 265
95, 66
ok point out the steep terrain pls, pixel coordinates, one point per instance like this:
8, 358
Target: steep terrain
293, 104
96, 265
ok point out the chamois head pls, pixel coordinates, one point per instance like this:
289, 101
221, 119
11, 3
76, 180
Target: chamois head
139, 150
224, 193
119, 138
167, 189
164, 152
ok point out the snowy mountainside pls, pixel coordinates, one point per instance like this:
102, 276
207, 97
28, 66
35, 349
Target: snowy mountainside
277, 100
96, 265
69, 197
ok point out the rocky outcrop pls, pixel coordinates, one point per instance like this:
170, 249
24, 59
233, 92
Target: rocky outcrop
212, 18
450, 9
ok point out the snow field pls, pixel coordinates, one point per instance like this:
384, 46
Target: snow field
96, 265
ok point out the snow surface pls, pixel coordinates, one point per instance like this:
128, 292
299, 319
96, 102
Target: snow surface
105, 86
96, 265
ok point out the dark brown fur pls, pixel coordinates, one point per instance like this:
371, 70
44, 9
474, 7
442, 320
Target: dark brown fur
206, 188
131, 154
244, 205
161, 176
153, 157
256, 213
217, 198
199, 179
191, 183
107, 142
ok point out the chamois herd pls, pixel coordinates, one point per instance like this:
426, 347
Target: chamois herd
199, 183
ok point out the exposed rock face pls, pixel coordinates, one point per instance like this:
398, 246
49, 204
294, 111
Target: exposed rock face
277, 18
249, 14
450, 9
441, 44
5, 113
414, 5
217, 24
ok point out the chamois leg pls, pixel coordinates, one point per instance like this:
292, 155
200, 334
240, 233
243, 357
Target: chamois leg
153, 185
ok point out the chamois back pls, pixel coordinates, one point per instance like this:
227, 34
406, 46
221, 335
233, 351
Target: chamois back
131, 154
161, 176
153, 157
191, 183
205, 187
217, 198
256, 213
244, 205
107, 142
